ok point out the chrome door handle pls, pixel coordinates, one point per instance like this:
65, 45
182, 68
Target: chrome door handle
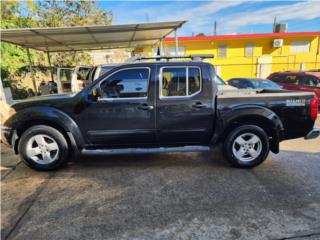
145, 107
198, 105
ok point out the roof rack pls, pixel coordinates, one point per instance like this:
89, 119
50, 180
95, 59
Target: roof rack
193, 57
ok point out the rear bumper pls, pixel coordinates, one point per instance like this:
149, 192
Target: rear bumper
314, 133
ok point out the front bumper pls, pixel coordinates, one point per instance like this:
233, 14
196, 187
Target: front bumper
314, 133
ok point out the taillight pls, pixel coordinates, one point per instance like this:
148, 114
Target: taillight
314, 104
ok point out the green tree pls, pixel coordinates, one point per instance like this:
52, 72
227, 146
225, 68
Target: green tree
27, 14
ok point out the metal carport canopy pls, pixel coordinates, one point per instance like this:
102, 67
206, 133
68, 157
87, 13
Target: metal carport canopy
61, 39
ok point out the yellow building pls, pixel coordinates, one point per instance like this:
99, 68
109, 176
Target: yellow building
250, 55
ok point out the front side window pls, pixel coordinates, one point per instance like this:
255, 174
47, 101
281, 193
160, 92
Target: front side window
180, 81
129, 83
290, 79
277, 79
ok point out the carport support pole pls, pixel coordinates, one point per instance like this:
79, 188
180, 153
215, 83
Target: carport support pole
177, 44
161, 47
51, 70
31, 71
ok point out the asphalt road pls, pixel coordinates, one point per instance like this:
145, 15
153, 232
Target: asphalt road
165, 196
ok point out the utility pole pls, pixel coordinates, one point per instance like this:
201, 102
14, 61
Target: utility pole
215, 28
274, 24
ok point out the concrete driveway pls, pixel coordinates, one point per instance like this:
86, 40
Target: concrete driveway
165, 196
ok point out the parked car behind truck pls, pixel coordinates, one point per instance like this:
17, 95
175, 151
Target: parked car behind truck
253, 83
306, 81
158, 107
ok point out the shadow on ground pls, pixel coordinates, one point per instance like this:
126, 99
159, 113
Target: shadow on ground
164, 196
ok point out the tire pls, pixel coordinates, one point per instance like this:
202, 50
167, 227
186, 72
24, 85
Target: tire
43, 148
246, 146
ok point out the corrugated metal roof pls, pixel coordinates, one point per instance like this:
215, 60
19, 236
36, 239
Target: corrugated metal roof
90, 37
243, 36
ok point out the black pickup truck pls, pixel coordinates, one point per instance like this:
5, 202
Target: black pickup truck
158, 107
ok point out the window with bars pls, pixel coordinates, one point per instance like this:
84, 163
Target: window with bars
300, 46
222, 50
249, 49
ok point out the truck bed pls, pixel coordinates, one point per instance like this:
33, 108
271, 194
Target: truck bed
293, 108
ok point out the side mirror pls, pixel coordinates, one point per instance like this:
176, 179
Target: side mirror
95, 94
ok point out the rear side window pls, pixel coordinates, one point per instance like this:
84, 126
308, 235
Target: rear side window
129, 83
308, 81
180, 81
194, 80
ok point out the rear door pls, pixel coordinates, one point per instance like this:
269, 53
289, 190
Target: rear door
185, 107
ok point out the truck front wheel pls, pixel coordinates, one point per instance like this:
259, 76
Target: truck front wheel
43, 148
246, 146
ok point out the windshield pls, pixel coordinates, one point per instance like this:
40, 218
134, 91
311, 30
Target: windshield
218, 80
265, 84
105, 69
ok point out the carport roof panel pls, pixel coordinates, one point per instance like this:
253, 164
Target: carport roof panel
90, 37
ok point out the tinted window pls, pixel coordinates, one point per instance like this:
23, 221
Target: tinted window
174, 82
130, 83
309, 81
288, 79
291, 79
278, 78
194, 80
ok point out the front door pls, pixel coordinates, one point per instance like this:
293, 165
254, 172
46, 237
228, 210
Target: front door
184, 105
123, 114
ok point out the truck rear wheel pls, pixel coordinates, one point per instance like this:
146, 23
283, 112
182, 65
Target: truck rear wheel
246, 146
43, 148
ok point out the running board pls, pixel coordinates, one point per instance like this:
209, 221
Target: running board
119, 151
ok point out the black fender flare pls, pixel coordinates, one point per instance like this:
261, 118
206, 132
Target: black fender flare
230, 116
42, 115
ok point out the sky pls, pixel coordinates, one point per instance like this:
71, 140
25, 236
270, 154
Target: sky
237, 16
